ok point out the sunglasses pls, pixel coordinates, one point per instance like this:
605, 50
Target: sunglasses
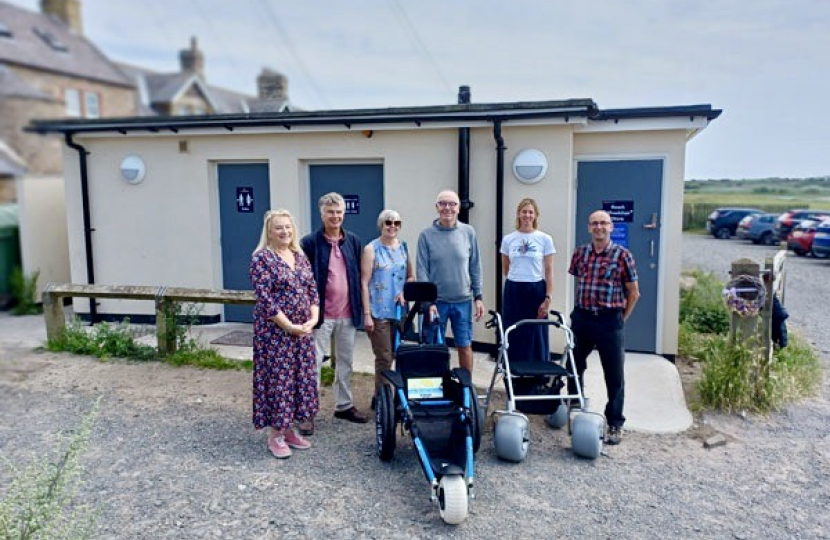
390, 223
447, 204
599, 223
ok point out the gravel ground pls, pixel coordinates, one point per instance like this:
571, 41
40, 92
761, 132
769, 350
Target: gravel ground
173, 456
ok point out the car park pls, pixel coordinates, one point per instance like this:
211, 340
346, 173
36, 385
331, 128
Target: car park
800, 239
761, 229
821, 240
723, 222
788, 220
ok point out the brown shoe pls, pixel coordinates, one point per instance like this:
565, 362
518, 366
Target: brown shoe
352, 415
306, 428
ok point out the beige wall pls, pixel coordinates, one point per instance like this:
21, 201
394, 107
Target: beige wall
166, 230
43, 236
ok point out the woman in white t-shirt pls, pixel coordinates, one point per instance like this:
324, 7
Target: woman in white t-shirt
527, 262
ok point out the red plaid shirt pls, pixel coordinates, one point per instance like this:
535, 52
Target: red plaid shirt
601, 277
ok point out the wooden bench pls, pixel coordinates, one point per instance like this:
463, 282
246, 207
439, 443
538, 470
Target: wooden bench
164, 298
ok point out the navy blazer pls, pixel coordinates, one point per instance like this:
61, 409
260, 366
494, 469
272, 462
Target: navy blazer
318, 251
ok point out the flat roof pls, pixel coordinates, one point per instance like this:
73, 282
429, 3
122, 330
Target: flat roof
460, 113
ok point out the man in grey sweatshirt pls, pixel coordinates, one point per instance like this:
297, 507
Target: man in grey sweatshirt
448, 256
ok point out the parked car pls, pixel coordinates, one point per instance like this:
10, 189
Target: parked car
723, 222
800, 239
821, 240
761, 229
743, 226
788, 220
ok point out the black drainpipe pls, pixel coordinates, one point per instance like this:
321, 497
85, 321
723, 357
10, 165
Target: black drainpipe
500, 148
90, 269
464, 161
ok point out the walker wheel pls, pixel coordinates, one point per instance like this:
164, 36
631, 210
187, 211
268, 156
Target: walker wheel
586, 439
559, 418
452, 499
512, 438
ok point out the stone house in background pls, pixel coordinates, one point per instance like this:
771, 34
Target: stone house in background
187, 92
49, 69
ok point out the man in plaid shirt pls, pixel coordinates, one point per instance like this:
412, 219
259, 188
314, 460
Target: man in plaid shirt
606, 293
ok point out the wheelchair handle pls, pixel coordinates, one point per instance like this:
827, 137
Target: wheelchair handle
558, 320
491, 323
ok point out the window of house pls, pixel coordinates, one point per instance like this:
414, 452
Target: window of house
5, 31
72, 98
51, 40
91, 105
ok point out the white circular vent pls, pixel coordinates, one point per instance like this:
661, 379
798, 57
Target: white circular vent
530, 166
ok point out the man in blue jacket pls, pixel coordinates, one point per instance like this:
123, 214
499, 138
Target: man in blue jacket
335, 258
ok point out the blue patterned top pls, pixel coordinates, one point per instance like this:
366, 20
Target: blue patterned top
388, 278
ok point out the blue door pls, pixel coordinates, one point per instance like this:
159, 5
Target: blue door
244, 197
631, 191
360, 185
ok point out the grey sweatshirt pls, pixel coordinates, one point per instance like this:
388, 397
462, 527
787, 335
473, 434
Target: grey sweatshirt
449, 258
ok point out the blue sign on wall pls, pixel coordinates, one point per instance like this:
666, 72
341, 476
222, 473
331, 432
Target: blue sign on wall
245, 200
619, 235
352, 204
620, 211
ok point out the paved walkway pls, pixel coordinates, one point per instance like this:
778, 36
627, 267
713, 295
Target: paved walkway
654, 395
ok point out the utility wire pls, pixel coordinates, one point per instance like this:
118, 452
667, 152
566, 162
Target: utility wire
289, 45
404, 20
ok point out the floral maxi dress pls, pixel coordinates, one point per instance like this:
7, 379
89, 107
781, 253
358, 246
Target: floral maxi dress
285, 366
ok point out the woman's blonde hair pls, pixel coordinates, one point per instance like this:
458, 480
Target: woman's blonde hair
266, 227
524, 202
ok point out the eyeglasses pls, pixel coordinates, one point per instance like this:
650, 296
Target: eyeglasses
390, 223
599, 223
447, 204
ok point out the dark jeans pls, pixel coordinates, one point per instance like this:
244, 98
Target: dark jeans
603, 331
521, 301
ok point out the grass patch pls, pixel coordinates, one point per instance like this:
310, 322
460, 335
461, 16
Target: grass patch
734, 375
23, 289
106, 340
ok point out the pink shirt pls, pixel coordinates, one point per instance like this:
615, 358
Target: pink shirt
337, 285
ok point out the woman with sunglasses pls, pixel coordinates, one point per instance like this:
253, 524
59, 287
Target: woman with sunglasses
385, 267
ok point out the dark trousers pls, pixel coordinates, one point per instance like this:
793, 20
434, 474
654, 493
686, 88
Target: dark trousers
522, 301
603, 331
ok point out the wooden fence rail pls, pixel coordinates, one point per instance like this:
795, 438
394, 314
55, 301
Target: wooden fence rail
164, 297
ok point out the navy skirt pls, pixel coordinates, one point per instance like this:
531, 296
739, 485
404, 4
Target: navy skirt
522, 301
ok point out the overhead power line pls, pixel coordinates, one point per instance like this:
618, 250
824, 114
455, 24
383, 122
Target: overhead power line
292, 50
404, 20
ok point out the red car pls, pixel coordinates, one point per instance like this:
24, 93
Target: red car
800, 239
788, 220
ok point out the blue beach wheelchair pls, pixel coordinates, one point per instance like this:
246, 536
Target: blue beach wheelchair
435, 404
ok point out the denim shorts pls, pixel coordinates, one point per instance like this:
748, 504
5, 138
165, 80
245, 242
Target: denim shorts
460, 315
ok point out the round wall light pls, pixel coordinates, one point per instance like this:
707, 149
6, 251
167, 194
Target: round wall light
530, 166
133, 169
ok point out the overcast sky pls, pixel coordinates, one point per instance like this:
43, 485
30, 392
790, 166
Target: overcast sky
766, 63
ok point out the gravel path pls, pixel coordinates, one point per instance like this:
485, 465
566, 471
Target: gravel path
173, 456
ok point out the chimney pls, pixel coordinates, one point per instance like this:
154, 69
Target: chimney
68, 11
192, 59
272, 85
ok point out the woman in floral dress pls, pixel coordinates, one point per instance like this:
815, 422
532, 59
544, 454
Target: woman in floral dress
287, 307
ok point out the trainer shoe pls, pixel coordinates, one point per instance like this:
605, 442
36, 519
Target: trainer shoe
295, 440
352, 415
278, 447
307, 428
614, 435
